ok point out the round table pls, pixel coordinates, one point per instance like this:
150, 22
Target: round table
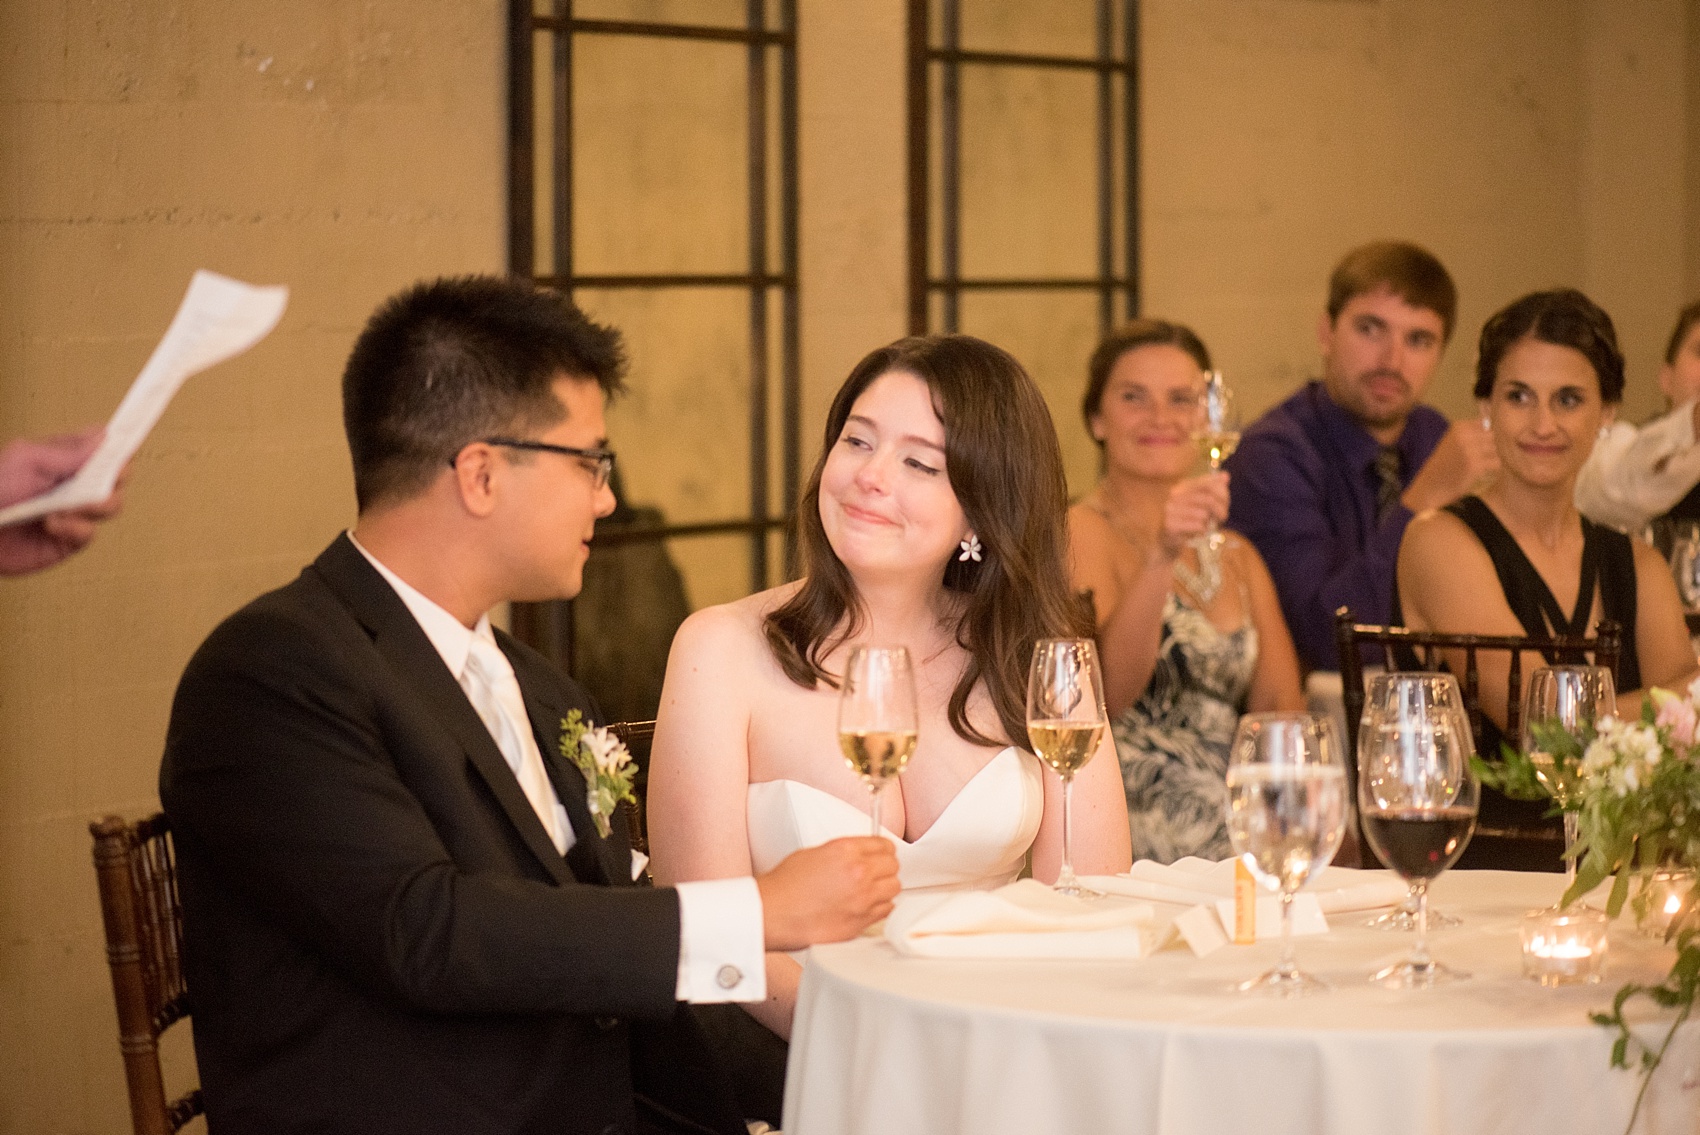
891, 1045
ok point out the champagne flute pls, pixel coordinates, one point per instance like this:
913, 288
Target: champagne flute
1417, 797
878, 721
1286, 818
1571, 698
1066, 720
1217, 434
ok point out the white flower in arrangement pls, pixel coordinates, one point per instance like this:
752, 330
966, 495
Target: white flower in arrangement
1622, 756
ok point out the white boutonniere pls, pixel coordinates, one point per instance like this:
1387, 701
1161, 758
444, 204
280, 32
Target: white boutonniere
606, 764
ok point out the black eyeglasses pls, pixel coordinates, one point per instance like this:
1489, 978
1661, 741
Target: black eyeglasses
603, 458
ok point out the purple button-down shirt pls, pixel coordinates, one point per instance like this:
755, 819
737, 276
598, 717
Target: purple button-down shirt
1304, 492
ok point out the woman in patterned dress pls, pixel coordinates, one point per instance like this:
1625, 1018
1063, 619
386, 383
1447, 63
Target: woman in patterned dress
1184, 653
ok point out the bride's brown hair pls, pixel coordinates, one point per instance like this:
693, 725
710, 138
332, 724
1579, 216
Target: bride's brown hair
1005, 466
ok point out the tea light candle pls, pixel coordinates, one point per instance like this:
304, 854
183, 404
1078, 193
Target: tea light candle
1666, 893
1564, 946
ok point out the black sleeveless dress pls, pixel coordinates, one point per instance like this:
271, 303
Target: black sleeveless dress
1608, 567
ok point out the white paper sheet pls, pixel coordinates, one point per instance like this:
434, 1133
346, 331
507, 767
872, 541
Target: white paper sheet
218, 319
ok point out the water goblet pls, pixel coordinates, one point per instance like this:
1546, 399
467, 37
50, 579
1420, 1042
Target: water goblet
878, 720
1417, 797
1286, 818
1066, 720
1571, 699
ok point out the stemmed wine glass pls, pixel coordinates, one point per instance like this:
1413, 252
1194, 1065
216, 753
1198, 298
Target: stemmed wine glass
1570, 698
1685, 561
878, 721
1066, 720
1417, 796
1376, 707
1217, 434
1286, 818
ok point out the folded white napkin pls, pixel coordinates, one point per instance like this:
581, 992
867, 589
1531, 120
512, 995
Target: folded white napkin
1190, 881
1025, 919
1208, 887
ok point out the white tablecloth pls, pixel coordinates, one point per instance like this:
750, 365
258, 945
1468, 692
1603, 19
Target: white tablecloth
886, 1045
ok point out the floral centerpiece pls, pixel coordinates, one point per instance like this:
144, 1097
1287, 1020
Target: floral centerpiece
1634, 790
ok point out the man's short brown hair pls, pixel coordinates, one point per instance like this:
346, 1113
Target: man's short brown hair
1412, 273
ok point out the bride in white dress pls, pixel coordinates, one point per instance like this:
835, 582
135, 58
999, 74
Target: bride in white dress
934, 520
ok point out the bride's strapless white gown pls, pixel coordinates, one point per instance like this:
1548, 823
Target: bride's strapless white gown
977, 843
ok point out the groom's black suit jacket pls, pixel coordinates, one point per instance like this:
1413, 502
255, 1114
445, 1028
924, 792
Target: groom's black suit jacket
380, 935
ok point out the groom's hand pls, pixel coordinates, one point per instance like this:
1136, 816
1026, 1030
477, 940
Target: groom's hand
828, 893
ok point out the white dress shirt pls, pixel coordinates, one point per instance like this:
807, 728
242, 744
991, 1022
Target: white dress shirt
1635, 474
722, 955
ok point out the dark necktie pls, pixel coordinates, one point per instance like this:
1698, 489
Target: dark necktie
1389, 486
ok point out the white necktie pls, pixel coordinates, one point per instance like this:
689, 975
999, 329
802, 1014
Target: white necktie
489, 682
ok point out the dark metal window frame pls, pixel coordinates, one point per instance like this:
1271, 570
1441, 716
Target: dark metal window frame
950, 58
548, 626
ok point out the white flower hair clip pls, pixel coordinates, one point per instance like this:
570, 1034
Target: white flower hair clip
971, 549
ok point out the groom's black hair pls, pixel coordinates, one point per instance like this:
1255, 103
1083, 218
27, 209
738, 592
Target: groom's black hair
450, 361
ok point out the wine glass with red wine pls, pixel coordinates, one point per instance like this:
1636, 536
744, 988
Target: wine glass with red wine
1416, 796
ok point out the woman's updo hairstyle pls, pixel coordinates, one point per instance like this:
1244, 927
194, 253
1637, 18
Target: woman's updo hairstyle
1563, 317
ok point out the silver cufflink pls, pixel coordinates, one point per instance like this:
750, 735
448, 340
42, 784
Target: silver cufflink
729, 976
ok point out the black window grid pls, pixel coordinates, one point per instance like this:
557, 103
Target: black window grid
548, 626
1117, 55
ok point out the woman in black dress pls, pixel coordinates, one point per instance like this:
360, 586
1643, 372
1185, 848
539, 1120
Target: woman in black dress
1521, 560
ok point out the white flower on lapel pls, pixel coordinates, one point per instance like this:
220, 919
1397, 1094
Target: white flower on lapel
605, 748
606, 764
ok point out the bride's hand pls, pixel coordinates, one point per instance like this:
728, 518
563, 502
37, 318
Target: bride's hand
1192, 505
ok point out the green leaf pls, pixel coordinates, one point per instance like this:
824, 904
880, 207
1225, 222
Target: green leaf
1513, 774
1619, 892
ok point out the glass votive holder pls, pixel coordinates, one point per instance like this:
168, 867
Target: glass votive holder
1561, 947
1667, 892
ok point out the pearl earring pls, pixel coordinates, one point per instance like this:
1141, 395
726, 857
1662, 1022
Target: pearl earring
971, 549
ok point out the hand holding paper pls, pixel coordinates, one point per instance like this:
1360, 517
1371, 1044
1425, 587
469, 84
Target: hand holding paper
29, 466
218, 319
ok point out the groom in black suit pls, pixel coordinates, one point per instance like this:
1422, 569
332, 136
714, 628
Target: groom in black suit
400, 915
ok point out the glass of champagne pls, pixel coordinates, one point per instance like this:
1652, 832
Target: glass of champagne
1570, 698
1417, 796
878, 722
1066, 720
1286, 818
1685, 561
1217, 434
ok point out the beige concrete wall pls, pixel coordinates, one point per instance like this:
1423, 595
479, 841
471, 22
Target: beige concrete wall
1635, 215
348, 149
853, 113
1529, 143
1691, 156
343, 149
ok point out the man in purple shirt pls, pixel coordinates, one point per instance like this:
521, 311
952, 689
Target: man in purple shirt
1324, 483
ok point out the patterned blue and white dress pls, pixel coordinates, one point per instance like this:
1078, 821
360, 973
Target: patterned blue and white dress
1173, 741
